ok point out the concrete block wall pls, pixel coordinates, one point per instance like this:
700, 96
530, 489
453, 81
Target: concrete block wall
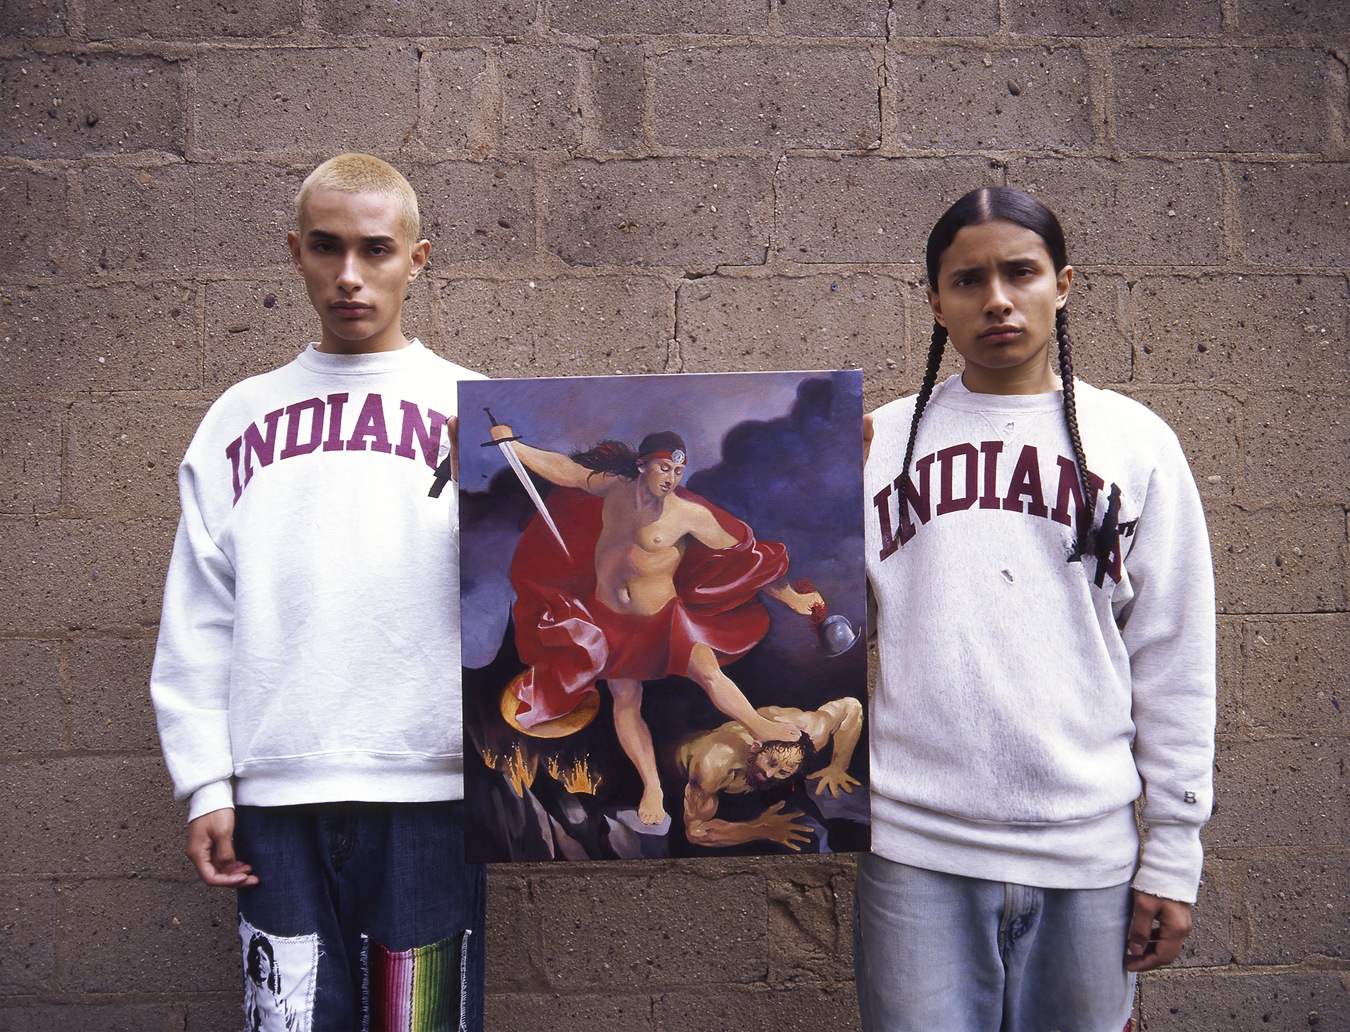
629, 186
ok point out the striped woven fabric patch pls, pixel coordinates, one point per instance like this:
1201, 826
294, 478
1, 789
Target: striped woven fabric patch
417, 990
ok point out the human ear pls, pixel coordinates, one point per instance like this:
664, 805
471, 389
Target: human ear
935, 303
420, 252
293, 242
1063, 280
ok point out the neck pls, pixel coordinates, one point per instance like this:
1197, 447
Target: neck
1040, 379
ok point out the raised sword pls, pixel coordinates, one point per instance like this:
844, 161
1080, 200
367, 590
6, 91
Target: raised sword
504, 445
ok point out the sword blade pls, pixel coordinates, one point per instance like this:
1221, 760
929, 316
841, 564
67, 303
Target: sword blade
532, 491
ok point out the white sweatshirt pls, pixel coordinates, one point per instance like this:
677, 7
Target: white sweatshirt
309, 641
1023, 698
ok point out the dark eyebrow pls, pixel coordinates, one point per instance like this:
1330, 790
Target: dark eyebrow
319, 234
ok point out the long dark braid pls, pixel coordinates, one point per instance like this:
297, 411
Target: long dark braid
1084, 538
935, 351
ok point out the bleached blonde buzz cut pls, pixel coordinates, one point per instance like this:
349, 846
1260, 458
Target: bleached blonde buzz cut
363, 173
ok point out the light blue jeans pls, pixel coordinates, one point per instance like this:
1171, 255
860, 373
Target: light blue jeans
939, 951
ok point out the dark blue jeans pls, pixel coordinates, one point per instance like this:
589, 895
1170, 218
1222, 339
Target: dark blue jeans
364, 878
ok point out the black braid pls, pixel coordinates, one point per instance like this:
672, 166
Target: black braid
935, 350
1083, 545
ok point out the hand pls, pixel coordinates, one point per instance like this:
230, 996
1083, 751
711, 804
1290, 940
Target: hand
1157, 932
210, 847
501, 431
782, 827
452, 435
834, 780
868, 431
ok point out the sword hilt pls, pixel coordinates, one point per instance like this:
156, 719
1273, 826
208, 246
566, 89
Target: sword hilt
501, 440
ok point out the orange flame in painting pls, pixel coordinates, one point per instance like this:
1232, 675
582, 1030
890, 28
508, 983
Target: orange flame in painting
518, 768
575, 778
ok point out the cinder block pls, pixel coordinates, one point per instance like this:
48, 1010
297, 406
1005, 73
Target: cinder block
1293, 214
425, 18
34, 223
306, 100
1223, 1001
110, 694
833, 17
145, 935
65, 107
253, 327
1293, 673
1195, 18
629, 932
541, 99
1099, 326
30, 692
552, 1012
30, 456
193, 19
1131, 211
771, 96
476, 212
510, 935
1297, 907
811, 322
661, 211
1269, 561
119, 336
27, 947
91, 815
1210, 941
653, 17
1281, 792
563, 326
1234, 714
35, 19
87, 1017
811, 921
869, 209
923, 18
1294, 449
83, 573
1206, 424
1285, 331
991, 99
1212, 99
460, 102
123, 453
728, 1009
1277, 17
215, 1015
619, 92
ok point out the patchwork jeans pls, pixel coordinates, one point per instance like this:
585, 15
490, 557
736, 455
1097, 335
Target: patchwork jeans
365, 916
939, 951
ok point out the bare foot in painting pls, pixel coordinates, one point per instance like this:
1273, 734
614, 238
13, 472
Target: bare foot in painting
652, 809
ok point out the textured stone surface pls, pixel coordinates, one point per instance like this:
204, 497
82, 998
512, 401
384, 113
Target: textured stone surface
802, 1009
30, 456
660, 212
27, 947
74, 573
1242, 1002
1281, 792
833, 17
163, 19
1297, 908
774, 97
33, 18
456, 98
1293, 673
1207, 99
555, 1012
476, 211
92, 816
559, 326
815, 322
1275, 562
619, 93
143, 935
811, 922
427, 18
1257, 17
920, 18
1292, 214
33, 222
87, 1017
729, 17
541, 102
1114, 18
63, 107
991, 99
120, 465
1295, 445
110, 694
30, 687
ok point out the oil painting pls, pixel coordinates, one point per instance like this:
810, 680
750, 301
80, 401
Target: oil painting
662, 601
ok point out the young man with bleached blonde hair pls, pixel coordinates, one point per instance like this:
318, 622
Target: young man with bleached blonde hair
306, 679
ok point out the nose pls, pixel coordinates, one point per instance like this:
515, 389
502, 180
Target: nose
349, 272
997, 303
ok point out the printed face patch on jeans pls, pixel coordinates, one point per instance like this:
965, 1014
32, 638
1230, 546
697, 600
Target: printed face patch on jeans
278, 980
421, 988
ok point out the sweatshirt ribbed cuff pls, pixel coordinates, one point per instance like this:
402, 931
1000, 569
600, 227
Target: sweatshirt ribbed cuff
1171, 862
219, 795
